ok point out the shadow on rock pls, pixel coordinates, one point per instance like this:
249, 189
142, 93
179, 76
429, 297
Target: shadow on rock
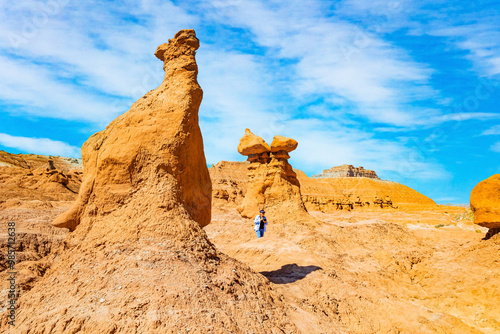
289, 273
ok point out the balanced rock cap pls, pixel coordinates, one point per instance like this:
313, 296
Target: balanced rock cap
252, 144
281, 143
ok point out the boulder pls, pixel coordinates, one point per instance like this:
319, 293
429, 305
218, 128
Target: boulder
485, 202
281, 143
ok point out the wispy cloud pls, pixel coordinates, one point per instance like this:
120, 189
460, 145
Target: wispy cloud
495, 147
71, 61
40, 146
494, 130
481, 39
335, 57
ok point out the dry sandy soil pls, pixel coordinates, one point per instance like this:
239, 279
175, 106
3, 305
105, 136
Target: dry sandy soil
375, 272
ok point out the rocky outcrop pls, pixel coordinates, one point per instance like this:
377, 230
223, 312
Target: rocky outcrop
230, 182
347, 171
138, 260
281, 143
272, 183
251, 144
485, 203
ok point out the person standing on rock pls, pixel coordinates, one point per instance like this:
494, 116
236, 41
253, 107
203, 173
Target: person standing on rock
260, 222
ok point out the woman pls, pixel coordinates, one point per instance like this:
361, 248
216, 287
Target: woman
260, 223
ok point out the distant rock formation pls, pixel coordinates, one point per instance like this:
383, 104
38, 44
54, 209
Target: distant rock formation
33, 161
229, 183
485, 203
347, 171
30, 176
138, 260
272, 183
358, 193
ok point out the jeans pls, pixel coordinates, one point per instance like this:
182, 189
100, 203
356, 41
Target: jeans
260, 233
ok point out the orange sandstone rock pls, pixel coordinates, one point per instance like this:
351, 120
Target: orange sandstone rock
485, 203
330, 194
272, 183
281, 143
154, 148
252, 144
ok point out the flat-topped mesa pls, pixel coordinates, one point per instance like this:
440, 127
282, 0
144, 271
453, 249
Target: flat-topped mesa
272, 183
347, 171
485, 203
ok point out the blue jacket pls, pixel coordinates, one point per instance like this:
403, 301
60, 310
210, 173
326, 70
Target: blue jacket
256, 221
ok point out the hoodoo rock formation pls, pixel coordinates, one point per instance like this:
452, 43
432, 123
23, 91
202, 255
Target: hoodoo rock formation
347, 171
272, 183
130, 161
138, 260
485, 203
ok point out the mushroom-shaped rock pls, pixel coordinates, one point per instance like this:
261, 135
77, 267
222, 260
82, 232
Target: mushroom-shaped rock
485, 202
252, 144
281, 143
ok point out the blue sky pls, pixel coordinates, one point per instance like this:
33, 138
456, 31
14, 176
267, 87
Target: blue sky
408, 88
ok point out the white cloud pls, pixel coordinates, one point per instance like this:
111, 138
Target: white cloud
495, 147
336, 58
482, 40
83, 60
40, 146
40, 93
494, 130
464, 116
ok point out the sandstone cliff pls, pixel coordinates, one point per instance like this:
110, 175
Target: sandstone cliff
138, 260
319, 194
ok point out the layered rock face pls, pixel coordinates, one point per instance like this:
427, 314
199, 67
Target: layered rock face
272, 183
229, 183
347, 171
352, 193
138, 260
485, 203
